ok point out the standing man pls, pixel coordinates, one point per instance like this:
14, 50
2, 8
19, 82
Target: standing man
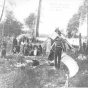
57, 48
14, 44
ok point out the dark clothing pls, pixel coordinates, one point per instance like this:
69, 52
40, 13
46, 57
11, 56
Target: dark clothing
40, 50
31, 53
4, 44
35, 62
14, 41
27, 40
3, 53
51, 56
16, 49
58, 51
26, 50
84, 46
58, 32
57, 44
14, 45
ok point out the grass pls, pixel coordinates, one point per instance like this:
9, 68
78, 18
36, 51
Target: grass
42, 76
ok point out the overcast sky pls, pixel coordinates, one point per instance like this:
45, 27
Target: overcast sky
54, 13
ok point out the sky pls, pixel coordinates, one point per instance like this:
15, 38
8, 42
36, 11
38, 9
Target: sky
54, 13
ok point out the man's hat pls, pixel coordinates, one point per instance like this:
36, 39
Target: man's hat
58, 31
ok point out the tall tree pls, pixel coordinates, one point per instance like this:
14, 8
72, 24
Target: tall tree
11, 25
73, 25
77, 19
6, 4
30, 21
38, 18
2, 10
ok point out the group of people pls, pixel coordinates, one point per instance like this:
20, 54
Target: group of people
26, 47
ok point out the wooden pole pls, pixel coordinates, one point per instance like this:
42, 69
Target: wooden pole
80, 42
1, 18
38, 19
87, 27
2, 10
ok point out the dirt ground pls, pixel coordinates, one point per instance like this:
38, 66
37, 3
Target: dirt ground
41, 76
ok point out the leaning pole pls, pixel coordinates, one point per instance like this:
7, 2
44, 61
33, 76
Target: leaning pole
2, 16
87, 27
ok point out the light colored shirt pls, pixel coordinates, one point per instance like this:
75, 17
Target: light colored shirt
48, 46
22, 43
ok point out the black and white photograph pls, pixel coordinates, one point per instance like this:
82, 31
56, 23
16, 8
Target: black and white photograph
43, 43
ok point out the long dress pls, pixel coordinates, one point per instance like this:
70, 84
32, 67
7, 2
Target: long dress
48, 46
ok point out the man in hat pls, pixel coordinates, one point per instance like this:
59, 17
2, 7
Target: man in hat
57, 48
58, 31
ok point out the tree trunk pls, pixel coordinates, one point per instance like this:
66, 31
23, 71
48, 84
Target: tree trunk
2, 10
80, 42
38, 19
1, 18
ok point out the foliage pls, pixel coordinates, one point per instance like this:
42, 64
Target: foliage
73, 25
11, 25
83, 10
77, 19
30, 22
